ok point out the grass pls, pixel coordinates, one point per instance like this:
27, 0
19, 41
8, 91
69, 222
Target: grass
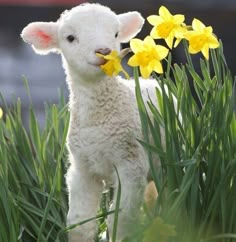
33, 201
196, 181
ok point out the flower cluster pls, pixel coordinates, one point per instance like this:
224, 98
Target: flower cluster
1, 113
148, 55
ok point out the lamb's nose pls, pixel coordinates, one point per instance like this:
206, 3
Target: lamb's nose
103, 51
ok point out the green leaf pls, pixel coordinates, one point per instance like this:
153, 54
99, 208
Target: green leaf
159, 231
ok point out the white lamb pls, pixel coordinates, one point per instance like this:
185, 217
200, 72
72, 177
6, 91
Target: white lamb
104, 123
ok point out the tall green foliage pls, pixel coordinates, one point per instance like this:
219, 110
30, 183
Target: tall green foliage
197, 178
33, 200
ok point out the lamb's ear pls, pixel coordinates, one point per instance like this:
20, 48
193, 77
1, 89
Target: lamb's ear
130, 24
42, 35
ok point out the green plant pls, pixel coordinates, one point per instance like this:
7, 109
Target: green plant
197, 178
33, 201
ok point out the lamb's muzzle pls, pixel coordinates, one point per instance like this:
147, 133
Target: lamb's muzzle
103, 51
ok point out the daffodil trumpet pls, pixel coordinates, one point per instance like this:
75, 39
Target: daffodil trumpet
113, 66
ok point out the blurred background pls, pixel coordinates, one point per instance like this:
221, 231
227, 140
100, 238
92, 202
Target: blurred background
45, 74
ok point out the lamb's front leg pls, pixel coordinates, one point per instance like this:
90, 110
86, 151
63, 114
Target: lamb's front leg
84, 197
132, 189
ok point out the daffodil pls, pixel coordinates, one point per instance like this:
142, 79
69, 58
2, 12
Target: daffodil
201, 38
147, 55
113, 65
1, 113
167, 26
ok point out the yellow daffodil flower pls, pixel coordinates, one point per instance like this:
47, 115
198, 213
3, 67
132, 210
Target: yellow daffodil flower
113, 65
147, 55
201, 38
167, 26
1, 113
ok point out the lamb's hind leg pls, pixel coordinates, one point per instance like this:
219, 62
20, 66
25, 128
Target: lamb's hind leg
84, 196
132, 190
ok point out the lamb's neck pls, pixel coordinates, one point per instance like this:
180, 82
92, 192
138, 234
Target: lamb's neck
93, 93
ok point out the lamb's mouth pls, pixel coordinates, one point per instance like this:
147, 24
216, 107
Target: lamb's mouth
98, 63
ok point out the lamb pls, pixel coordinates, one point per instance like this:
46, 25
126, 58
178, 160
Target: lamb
104, 121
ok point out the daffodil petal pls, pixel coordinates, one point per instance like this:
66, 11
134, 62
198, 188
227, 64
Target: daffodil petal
197, 25
114, 54
213, 42
149, 41
108, 68
205, 51
133, 61
158, 67
162, 51
110, 57
209, 30
117, 67
154, 33
179, 18
177, 41
164, 13
169, 40
180, 32
154, 20
136, 45
191, 50
189, 34
145, 71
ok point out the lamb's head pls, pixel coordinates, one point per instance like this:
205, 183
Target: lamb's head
82, 32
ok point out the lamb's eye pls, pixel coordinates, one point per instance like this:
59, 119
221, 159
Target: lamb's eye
70, 38
116, 35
